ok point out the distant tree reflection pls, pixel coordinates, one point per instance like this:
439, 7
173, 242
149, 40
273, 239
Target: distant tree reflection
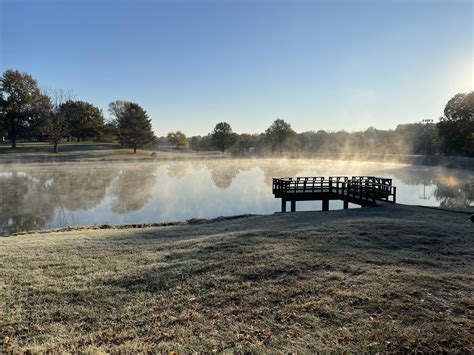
82, 188
452, 188
178, 170
276, 169
460, 194
224, 172
31, 199
133, 188
414, 175
24, 205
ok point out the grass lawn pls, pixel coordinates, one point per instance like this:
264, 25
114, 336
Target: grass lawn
378, 279
90, 151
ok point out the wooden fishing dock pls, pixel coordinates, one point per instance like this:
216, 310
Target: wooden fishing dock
360, 190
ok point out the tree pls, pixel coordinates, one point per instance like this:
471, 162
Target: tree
244, 143
195, 143
109, 134
3, 107
56, 124
248, 141
177, 139
199, 143
280, 135
456, 128
133, 125
222, 137
22, 104
117, 107
413, 138
84, 119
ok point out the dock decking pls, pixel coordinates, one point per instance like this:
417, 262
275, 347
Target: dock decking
361, 190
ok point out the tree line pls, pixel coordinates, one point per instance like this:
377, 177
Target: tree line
26, 112
452, 135
29, 113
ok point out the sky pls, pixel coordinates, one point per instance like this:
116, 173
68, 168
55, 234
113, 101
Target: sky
328, 65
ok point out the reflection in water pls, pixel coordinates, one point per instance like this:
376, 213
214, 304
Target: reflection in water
449, 187
36, 197
178, 170
223, 173
458, 195
80, 189
17, 209
133, 189
424, 196
32, 198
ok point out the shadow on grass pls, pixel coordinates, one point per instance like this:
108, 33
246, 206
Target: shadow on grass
263, 256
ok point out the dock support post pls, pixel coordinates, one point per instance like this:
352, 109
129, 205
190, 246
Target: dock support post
293, 206
325, 205
346, 204
283, 205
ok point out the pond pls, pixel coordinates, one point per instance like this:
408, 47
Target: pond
46, 196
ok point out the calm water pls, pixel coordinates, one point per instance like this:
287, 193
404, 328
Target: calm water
52, 196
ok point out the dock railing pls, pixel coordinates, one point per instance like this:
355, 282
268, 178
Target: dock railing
308, 184
363, 188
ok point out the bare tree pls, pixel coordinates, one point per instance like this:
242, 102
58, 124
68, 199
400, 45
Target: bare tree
56, 123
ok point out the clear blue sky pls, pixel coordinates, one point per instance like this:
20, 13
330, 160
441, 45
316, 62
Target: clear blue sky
317, 64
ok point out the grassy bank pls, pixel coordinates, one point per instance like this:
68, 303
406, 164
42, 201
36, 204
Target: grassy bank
387, 278
72, 152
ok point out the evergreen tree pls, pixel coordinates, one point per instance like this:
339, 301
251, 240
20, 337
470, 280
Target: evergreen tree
134, 128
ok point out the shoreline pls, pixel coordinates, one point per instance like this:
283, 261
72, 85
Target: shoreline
99, 152
91, 227
196, 221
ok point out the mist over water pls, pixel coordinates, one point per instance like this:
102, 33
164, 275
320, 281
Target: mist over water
69, 194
